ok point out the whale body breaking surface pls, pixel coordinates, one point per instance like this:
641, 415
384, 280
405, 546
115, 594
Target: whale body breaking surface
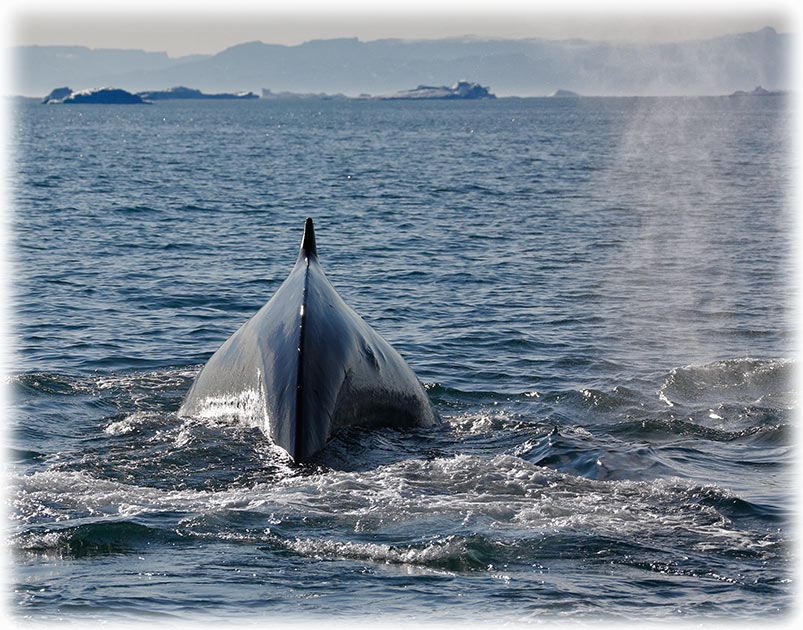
306, 365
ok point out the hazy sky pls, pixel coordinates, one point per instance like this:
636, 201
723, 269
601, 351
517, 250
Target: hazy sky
187, 29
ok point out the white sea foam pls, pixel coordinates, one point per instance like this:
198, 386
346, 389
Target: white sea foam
158, 380
130, 423
505, 494
481, 422
377, 552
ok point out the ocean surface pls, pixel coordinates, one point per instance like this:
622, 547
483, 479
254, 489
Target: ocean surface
597, 294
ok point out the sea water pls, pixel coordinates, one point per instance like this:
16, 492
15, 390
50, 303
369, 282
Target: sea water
597, 294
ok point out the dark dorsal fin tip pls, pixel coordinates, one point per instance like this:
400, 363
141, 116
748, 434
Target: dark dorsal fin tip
308, 242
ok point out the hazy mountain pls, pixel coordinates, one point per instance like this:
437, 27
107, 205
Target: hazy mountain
81, 67
509, 67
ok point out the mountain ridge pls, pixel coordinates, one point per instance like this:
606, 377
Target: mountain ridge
523, 67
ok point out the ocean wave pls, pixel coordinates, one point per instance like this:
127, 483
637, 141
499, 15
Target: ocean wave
453, 553
673, 427
134, 423
745, 380
54, 383
50, 383
90, 539
503, 498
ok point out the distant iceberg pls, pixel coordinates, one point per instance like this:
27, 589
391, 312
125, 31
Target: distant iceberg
460, 90
759, 91
57, 95
181, 92
275, 96
564, 94
103, 96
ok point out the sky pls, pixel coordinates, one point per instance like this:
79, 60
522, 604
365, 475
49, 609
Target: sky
190, 27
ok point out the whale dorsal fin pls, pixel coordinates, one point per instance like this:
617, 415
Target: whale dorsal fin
308, 249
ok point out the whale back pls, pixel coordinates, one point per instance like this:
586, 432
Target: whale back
306, 365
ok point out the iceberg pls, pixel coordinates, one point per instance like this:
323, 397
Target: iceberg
59, 94
275, 96
103, 96
564, 94
181, 92
460, 90
759, 91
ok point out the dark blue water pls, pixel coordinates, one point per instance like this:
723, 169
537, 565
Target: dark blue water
596, 292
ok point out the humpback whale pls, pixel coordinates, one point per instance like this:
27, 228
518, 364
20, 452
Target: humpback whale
306, 365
